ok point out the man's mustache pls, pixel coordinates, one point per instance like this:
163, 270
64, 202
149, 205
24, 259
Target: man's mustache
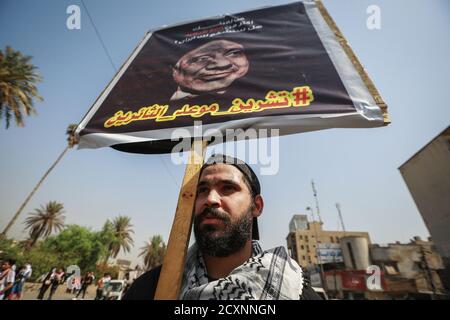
212, 213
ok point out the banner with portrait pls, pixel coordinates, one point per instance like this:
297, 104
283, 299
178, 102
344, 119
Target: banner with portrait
284, 67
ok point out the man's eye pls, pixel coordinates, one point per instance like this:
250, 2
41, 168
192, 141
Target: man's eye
199, 59
229, 187
236, 52
202, 189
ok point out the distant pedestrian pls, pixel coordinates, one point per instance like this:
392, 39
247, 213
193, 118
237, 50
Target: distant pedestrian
76, 283
102, 286
56, 281
7, 277
128, 282
73, 283
46, 283
23, 275
87, 280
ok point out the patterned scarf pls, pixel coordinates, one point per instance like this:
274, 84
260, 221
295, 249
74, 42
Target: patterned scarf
267, 275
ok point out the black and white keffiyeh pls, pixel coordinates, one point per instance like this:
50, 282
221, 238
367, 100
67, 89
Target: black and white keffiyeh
267, 275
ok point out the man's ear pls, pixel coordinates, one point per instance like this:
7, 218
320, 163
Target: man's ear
258, 207
174, 72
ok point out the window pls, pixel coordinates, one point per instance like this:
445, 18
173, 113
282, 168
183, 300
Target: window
302, 247
391, 268
300, 237
352, 257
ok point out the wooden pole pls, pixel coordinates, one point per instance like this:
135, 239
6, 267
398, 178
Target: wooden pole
171, 276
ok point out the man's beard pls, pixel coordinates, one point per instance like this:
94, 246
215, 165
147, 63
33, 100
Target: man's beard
230, 239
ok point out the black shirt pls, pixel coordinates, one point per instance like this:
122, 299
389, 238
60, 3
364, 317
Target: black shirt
144, 287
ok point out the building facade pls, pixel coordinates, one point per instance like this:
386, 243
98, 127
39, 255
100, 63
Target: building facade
427, 176
410, 269
310, 245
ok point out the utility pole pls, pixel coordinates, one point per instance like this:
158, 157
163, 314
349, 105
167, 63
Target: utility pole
317, 200
319, 260
338, 206
341, 219
312, 213
334, 274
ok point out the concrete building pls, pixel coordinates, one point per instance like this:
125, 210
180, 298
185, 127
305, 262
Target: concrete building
410, 269
306, 237
427, 176
405, 271
298, 222
125, 267
355, 251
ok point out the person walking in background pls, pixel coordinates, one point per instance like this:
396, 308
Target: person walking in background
87, 280
76, 284
56, 281
128, 282
46, 283
7, 277
23, 275
102, 286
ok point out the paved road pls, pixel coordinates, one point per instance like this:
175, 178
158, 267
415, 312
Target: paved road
31, 291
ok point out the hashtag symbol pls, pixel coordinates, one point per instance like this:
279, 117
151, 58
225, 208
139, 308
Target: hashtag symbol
301, 96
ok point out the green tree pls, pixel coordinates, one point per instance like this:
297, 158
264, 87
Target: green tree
9, 249
74, 245
77, 245
123, 240
153, 252
41, 260
44, 221
18, 79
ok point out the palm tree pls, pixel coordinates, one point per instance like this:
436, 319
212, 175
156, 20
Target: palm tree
71, 137
18, 80
71, 142
153, 252
122, 229
44, 221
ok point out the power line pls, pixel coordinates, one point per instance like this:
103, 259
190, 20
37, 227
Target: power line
99, 36
169, 172
115, 69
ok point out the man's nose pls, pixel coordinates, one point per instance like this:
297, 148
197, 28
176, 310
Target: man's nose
213, 198
219, 63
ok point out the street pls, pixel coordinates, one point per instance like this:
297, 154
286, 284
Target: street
31, 291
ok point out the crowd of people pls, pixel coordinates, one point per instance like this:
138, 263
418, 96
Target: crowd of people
12, 279
52, 280
75, 284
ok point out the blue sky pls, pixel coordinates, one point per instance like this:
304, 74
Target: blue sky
407, 59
